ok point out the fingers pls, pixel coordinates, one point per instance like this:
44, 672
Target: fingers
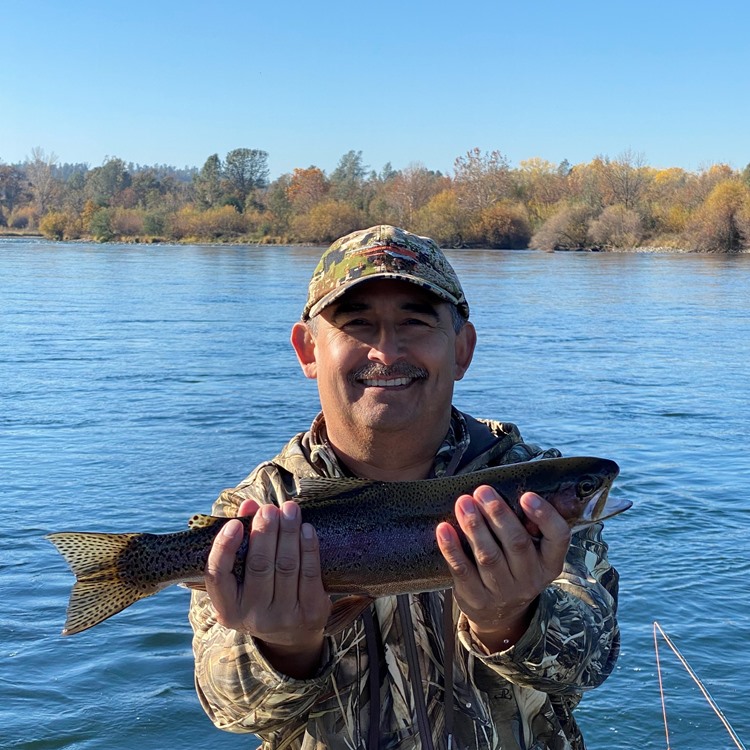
287, 564
312, 596
501, 544
248, 508
554, 530
221, 584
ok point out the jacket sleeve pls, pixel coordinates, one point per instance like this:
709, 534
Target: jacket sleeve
573, 640
237, 687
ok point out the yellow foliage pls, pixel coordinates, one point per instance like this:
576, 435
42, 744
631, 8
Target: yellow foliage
326, 221
52, 225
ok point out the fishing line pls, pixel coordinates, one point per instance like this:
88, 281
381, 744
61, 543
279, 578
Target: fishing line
696, 679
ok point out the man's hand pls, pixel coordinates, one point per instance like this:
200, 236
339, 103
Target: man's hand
497, 592
281, 601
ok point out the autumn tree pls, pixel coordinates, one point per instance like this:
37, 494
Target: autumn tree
625, 178
541, 186
443, 219
481, 179
404, 193
39, 172
306, 188
722, 224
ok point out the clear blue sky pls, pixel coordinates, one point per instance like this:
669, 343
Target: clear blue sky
173, 82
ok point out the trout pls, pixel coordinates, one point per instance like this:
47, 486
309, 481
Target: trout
376, 538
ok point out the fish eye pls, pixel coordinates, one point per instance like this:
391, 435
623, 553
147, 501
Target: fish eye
587, 485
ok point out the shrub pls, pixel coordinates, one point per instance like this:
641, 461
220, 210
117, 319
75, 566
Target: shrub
567, 229
126, 222
722, 223
504, 224
53, 224
100, 225
443, 220
22, 218
616, 226
327, 221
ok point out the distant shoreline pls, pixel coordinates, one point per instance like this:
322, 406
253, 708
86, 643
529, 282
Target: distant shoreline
15, 234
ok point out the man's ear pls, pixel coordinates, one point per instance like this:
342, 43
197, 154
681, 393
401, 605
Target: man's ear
466, 341
304, 347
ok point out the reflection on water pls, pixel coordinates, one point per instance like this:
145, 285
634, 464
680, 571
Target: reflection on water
140, 381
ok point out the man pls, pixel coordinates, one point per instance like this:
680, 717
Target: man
498, 663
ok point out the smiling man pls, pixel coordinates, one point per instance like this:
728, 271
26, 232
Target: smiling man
498, 662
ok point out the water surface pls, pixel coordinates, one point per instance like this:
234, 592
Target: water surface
137, 382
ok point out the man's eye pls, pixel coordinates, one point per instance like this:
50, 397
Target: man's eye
354, 322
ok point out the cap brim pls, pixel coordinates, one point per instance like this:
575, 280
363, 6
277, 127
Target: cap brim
332, 296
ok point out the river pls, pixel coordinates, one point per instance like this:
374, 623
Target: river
139, 381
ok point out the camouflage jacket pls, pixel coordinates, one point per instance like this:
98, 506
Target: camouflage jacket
519, 698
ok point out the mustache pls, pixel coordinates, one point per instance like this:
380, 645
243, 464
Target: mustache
388, 372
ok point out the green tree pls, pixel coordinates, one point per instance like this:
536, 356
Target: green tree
246, 169
208, 182
100, 225
13, 188
104, 183
348, 180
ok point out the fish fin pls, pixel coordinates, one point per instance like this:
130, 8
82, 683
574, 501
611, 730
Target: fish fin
193, 585
320, 488
92, 602
99, 591
345, 611
201, 521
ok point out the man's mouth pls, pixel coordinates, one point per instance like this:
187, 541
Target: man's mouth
398, 376
390, 383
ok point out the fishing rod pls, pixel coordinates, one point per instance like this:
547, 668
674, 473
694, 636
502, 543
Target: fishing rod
696, 679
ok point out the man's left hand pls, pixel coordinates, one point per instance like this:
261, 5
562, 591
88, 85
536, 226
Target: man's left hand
498, 591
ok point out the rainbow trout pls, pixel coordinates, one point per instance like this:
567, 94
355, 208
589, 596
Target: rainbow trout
376, 538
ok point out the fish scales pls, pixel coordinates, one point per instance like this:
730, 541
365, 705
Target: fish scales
376, 538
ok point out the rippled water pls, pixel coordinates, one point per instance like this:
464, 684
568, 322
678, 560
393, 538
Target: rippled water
139, 381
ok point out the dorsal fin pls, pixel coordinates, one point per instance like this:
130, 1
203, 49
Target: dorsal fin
201, 521
320, 488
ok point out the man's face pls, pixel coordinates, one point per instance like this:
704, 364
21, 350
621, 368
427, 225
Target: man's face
385, 356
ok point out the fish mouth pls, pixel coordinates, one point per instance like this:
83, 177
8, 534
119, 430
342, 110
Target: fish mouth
601, 507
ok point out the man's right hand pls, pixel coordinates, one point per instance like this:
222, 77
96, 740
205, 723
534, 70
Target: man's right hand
281, 602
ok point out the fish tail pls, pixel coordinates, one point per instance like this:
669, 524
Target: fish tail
100, 590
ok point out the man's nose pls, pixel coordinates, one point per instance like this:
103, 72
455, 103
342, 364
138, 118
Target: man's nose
386, 346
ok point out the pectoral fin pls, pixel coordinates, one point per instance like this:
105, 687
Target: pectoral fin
345, 611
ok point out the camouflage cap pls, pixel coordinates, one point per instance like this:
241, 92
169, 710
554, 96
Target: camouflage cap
382, 252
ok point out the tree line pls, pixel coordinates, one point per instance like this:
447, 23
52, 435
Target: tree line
607, 203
